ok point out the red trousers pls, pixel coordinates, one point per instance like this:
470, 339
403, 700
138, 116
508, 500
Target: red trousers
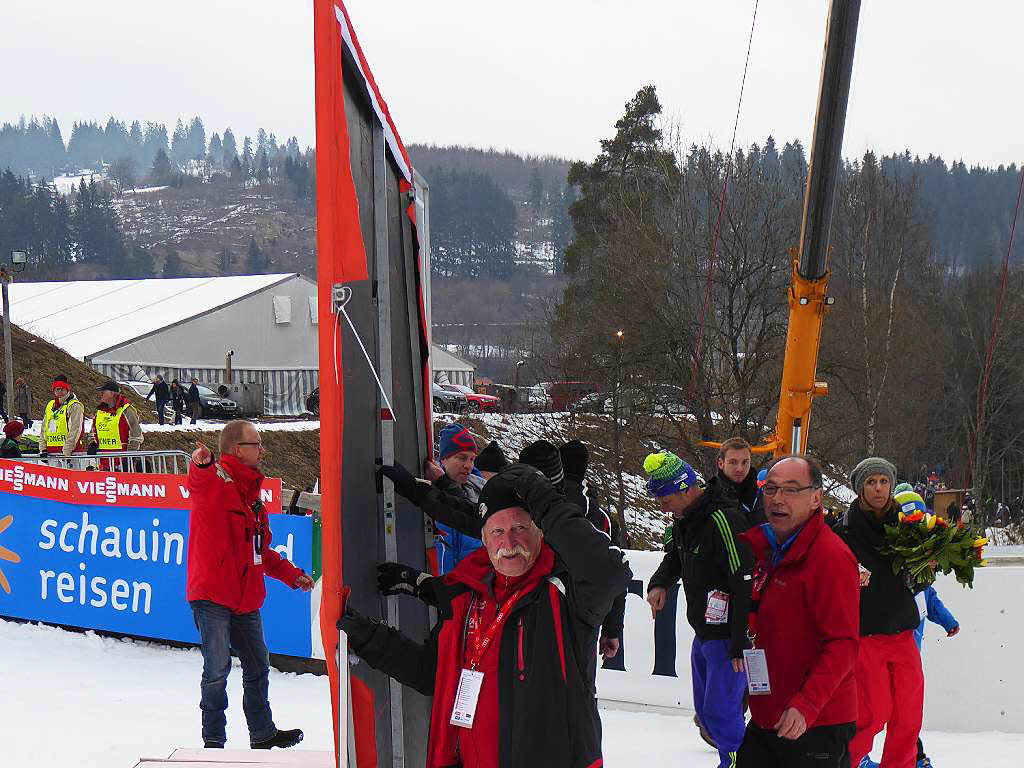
890, 694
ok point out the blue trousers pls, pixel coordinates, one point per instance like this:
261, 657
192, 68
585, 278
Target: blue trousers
220, 631
718, 696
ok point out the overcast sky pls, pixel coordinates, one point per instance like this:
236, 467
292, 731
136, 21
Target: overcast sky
545, 77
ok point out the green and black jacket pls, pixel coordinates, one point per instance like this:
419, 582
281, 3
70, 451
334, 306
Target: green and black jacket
706, 553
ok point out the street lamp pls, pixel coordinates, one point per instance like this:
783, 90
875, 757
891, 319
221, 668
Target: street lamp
18, 260
515, 387
616, 435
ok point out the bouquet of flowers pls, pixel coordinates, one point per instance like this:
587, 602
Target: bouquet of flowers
923, 545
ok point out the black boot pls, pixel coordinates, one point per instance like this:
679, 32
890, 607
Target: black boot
282, 739
212, 745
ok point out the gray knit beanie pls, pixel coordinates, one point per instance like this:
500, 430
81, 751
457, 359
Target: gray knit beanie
873, 465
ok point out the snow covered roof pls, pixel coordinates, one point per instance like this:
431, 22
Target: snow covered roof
86, 317
443, 360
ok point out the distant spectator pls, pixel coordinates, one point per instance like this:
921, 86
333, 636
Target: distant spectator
9, 447
23, 402
195, 402
3, 400
177, 400
63, 420
163, 395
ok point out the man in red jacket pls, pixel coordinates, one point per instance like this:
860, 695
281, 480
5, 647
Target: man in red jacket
804, 621
228, 554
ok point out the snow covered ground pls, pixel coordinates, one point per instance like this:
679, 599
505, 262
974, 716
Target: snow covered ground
79, 699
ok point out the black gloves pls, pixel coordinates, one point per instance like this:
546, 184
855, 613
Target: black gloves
412, 488
92, 449
398, 579
575, 458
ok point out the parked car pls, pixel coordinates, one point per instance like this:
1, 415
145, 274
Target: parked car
535, 398
565, 394
216, 405
313, 402
475, 402
447, 402
652, 400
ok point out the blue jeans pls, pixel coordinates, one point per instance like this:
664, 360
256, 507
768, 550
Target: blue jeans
718, 696
220, 632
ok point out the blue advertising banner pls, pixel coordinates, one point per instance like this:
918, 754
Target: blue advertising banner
122, 569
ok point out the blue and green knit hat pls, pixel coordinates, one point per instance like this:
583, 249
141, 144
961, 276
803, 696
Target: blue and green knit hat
668, 474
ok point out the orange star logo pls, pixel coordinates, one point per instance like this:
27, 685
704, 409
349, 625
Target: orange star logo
6, 554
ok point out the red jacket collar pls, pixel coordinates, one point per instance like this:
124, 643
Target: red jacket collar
477, 572
797, 550
246, 478
121, 400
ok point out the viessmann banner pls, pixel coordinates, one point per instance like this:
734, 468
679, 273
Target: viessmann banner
107, 551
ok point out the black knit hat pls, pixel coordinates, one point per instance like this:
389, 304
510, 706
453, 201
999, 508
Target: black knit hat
491, 459
544, 456
497, 494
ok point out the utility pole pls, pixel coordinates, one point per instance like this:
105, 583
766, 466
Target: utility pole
17, 257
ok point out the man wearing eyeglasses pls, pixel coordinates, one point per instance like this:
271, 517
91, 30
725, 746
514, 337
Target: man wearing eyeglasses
229, 552
804, 624
715, 570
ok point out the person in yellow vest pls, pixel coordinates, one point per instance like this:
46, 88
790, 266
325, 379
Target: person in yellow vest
63, 420
116, 425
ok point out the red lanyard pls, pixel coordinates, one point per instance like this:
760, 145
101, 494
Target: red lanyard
761, 575
491, 632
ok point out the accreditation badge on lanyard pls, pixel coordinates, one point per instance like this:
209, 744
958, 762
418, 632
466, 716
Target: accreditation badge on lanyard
257, 536
471, 680
754, 659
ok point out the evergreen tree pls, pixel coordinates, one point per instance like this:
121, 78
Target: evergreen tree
216, 152
154, 140
179, 145
255, 260
230, 150
196, 134
161, 172
172, 265
262, 169
226, 261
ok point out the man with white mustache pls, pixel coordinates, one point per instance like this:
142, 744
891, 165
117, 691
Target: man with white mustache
506, 664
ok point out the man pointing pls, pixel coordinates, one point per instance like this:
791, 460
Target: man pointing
229, 553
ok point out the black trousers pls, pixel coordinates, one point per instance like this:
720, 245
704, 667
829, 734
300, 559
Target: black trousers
826, 746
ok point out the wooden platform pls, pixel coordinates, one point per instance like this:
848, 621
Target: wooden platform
240, 758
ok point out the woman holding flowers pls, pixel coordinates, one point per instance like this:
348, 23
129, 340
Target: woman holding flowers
888, 660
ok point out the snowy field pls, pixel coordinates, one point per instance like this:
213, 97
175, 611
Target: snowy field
79, 699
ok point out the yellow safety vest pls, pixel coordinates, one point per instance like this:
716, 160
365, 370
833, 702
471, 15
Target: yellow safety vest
55, 423
108, 428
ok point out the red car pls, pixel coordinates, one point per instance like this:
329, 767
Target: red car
475, 402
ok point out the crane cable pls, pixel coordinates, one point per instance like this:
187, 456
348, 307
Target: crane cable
990, 350
718, 223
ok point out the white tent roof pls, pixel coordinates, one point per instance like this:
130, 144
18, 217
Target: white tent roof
89, 316
443, 360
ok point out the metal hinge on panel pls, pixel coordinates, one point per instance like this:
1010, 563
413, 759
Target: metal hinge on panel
340, 295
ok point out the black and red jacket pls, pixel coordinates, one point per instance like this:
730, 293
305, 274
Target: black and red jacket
887, 605
546, 701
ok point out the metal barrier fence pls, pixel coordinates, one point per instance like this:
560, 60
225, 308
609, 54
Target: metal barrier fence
154, 462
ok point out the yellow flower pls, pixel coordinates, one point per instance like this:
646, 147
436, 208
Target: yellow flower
980, 542
929, 521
